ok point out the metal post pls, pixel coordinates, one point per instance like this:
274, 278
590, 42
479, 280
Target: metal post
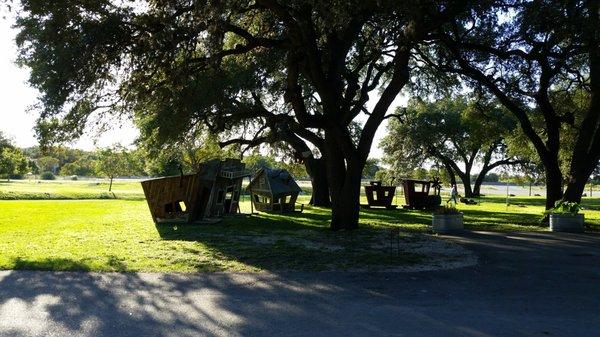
507, 194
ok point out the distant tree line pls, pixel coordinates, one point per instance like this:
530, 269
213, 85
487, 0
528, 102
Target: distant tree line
13, 162
118, 161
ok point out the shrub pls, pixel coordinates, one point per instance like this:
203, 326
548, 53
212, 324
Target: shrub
446, 210
73, 178
47, 176
564, 207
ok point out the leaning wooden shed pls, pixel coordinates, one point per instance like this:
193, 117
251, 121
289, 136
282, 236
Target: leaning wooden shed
273, 190
212, 192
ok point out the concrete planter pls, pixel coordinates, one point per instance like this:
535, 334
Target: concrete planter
446, 223
567, 223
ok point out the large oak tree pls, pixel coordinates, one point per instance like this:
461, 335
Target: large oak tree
459, 132
533, 56
306, 68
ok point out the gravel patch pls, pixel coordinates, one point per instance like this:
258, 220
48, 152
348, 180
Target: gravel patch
438, 253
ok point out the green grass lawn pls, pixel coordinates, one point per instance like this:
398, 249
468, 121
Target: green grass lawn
119, 235
69, 190
523, 214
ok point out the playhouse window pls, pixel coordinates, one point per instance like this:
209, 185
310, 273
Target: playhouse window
175, 207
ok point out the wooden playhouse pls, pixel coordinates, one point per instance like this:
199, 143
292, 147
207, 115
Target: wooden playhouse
273, 190
419, 194
210, 193
379, 195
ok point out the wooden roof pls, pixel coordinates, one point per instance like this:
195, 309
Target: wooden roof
276, 182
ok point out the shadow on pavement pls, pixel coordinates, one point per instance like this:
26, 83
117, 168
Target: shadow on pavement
529, 284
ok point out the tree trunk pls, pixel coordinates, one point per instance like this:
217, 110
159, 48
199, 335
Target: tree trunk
554, 191
478, 183
345, 203
317, 171
450, 174
344, 175
586, 153
467, 184
465, 177
315, 167
577, 181
110, 185
487, 167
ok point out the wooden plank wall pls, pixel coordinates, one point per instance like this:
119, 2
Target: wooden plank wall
187, 188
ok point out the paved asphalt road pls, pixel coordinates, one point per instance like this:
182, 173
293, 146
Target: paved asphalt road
525, 285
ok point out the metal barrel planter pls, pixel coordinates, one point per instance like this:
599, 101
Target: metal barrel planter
572, 223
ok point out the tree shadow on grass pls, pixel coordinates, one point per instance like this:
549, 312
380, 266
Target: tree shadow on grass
298, 241
481, 219
589, 203
49, 264
313, 219
66, 264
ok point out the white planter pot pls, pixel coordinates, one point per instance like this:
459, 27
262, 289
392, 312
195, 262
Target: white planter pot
445, 223
567, 223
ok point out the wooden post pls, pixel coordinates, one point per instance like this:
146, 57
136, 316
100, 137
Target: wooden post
507, 194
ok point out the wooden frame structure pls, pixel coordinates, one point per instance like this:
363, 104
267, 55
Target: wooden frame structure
379, 195
273, 190
416, 194
212, 192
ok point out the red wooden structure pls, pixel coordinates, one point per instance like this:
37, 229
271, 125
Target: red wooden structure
417, 194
